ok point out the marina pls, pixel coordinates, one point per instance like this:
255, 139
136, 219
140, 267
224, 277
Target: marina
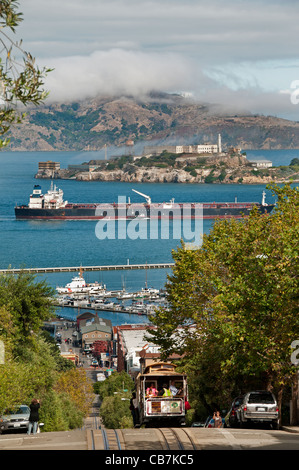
94, 296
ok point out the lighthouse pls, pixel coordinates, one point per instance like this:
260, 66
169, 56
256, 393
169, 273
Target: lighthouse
219, 143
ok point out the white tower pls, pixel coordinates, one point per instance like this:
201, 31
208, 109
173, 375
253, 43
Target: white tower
219, 143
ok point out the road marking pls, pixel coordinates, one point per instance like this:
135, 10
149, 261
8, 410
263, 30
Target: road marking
230, 438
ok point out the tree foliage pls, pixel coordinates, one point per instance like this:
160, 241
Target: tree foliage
21, 80
234, 302
27, 304
33, 366
117, 382
115, 413
115, 393
75, 384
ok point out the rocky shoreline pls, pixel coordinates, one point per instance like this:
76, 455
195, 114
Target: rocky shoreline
171, 175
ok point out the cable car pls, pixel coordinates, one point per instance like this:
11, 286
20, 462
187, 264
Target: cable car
161, 405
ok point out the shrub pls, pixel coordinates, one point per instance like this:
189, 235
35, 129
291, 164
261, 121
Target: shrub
117, 382
115, 413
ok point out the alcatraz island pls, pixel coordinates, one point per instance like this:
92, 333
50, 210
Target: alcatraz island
194, 163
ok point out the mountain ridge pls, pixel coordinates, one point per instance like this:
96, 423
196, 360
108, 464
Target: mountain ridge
170, 119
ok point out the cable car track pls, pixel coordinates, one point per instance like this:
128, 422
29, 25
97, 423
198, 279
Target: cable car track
111, 439
178, 439
104, 439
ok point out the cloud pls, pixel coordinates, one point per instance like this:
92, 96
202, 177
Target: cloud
211, 30
135, 46
136, 73
115, 72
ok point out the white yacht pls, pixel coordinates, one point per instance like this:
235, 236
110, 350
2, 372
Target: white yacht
79, 286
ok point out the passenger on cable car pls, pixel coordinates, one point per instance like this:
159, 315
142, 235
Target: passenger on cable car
166, 391
175, 391
151, 391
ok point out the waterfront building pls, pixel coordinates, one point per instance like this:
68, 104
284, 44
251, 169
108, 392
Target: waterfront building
94, 329
49, 165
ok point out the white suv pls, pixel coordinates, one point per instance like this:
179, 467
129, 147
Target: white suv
259, 406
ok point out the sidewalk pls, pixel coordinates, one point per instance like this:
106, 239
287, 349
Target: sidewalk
290, 428
76, 439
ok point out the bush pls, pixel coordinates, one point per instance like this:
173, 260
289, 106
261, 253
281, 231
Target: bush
51, 413
115, 413
117, 382
59, 413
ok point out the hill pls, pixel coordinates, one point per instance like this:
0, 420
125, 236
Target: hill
90, 124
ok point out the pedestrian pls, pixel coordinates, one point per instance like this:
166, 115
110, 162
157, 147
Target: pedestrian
34, 416
217, 420
134, 409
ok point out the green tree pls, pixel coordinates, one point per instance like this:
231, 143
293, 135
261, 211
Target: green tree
117, 382
115, 412
74, 384
21, 81
294, 162
234, 302
27, 302
115, 393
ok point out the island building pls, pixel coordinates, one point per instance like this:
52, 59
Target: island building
260, 163
49, 166
85, 166
195, 148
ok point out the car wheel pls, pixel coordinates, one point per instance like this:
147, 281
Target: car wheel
275, 425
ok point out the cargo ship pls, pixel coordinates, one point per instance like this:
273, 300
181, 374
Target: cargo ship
52, 206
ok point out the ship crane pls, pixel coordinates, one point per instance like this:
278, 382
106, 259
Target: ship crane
148, 199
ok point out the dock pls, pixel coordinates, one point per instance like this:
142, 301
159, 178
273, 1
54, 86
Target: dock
116, 267
102, 308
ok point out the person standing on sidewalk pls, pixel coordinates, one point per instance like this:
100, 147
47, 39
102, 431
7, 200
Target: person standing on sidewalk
34, 416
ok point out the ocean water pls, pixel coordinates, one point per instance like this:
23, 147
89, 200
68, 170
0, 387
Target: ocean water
74, 243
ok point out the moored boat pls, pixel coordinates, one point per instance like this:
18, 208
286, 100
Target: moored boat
79, 286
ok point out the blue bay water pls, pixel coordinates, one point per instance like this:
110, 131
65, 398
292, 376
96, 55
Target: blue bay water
74, 243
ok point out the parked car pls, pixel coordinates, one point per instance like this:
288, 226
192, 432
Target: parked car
101, 376
197, 424
15, 419
259, 407
231, 419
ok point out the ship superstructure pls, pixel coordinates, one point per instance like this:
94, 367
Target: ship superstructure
53, 199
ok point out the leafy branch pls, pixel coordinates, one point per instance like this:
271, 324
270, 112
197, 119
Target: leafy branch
21, 80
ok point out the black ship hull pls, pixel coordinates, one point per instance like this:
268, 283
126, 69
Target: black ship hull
133, 211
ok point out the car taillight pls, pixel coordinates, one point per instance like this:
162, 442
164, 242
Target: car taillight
245, 408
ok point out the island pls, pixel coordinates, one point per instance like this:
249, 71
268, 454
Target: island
171, 166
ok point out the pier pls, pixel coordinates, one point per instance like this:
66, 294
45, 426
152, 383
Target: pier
116, 267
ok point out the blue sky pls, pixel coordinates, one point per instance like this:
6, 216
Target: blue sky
237, 54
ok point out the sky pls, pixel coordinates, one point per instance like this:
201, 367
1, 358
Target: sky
239, 55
